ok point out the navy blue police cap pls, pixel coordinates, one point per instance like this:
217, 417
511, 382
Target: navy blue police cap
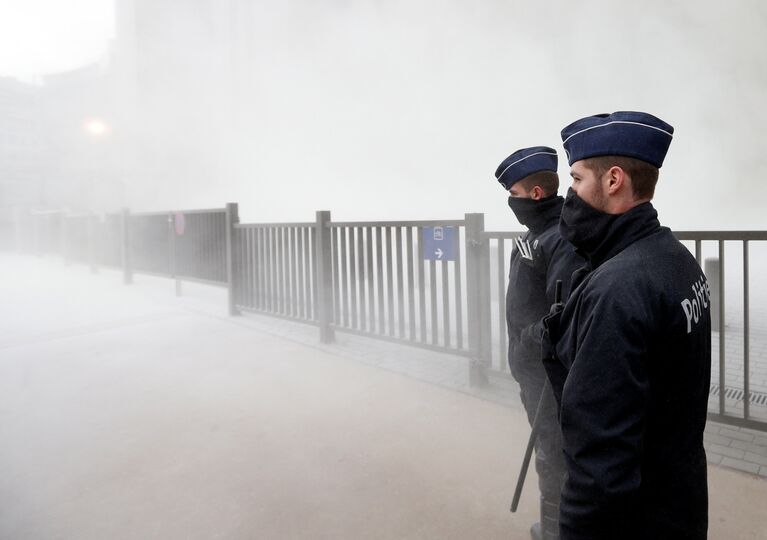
525, 162
624, 133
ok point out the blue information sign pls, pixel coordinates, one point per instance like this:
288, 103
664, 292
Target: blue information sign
439, 243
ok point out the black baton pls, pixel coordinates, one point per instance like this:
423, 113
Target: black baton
543, 403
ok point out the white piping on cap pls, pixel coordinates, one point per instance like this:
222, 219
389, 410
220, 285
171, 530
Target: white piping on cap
618, 122
523, 159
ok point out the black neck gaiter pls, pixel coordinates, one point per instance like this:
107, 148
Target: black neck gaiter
582, 225
532, 213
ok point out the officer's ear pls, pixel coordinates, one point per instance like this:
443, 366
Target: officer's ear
615, 179
536, 193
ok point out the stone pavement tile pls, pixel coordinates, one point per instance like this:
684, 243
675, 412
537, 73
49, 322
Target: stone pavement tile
755, 458
713, 459
750, 447
716, 439
739, 435
732, 453
712, 428
755, 433
739, 465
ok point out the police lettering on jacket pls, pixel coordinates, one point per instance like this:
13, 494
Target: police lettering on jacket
693, 307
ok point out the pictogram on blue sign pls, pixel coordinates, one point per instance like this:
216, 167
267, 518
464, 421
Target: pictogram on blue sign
439, 243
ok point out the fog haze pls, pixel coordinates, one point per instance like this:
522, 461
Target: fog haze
387, 110
149, 410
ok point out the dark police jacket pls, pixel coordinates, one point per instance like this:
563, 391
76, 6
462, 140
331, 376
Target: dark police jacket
630, 367
532, 281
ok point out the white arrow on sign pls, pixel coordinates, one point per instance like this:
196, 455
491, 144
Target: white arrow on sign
438, 253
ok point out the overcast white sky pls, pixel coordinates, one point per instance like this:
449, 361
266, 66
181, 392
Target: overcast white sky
45, 36
423, 98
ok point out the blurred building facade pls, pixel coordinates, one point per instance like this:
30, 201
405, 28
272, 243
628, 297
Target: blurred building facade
164, 100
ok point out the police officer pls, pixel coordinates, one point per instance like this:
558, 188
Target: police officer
629, 357
538, 260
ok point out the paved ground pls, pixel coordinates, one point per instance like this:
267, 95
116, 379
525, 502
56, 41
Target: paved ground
128, 413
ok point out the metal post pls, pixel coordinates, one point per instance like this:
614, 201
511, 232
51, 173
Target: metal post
722, 330
478, 297
90, 225
172, 255
746, 337
324, 278
711, 268
125, 246
232, 218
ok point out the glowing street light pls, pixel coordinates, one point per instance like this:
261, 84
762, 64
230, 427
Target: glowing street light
95, 127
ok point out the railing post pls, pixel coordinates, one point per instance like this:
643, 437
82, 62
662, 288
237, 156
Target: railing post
125, 251
232, 218
65, 241
324, 278
712, 270
478, 298
173, 255
91, 237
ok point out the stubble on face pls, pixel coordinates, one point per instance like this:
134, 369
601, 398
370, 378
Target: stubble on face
588, 186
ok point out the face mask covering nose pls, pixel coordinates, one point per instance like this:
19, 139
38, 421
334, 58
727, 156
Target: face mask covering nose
583, 225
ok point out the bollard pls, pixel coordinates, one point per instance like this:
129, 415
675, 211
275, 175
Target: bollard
232, 257
478, 297
173, 253
91, 224
324, 279
125, 246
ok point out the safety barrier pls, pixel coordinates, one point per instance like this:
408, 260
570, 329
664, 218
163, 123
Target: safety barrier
185, 245
732, 370
438, 285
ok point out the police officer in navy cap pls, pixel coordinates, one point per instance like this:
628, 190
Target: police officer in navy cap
538, 260
629, 356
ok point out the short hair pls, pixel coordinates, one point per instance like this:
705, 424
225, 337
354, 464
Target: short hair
644, 176
547, 180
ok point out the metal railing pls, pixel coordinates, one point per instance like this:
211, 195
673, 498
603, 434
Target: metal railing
276, 270
384, 288
185, 245
733, 395
377, 279
197, 243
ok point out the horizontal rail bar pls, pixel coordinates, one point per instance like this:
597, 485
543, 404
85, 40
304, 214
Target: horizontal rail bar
166, 212
720, 235
680, 235
200, 211
501, 235
149, 214
273, 225
429, 223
